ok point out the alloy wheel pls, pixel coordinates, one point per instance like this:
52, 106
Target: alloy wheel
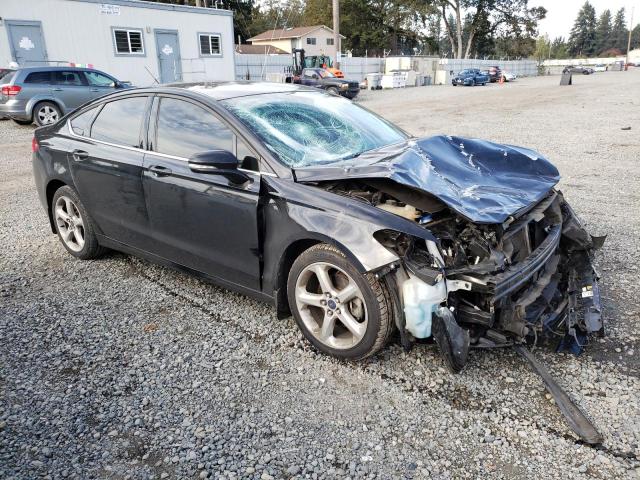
47, 115
70, 223
331, 305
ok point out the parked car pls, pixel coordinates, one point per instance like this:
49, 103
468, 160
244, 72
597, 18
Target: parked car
309, 201
324, 79
494, 73
578, 69
509, 77
44, 94
601, 67
470, 77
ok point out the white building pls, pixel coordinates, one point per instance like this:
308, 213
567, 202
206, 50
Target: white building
133, 40
316, 40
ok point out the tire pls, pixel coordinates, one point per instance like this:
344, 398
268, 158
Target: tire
73, 223
333, 90
46, 113
22, 122
370, 308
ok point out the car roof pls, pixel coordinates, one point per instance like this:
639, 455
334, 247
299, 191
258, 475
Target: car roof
226, 90
49, 69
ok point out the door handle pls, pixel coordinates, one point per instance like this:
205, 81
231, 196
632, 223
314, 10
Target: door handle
79, 155
56, 89
160, 171
95, 90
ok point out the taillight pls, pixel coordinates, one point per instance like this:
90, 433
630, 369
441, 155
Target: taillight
11, 90
34, 145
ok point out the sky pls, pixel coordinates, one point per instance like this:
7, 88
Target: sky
562, 13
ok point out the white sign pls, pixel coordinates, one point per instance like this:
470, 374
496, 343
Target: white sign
26, 44
108, 9
167, 50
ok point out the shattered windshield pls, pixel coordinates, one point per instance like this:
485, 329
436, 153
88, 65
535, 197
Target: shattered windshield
312, 128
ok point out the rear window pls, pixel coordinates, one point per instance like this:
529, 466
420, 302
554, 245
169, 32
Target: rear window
7, 76
119, 122
38, 77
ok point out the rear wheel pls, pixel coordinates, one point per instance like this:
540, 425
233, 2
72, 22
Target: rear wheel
339, 310
74, 226
46, 113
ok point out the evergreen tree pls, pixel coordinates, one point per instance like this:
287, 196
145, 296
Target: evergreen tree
635, 37
620, 32
559, 48
603, 32
583, 34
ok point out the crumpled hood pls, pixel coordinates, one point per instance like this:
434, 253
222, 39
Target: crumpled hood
483, 181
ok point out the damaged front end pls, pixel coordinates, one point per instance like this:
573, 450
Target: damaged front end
509, 262
527, 278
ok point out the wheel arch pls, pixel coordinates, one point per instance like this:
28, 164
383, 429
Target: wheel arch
52, 187
34, 102
289, 255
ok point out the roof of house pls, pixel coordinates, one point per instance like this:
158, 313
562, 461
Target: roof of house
281, 33
248, 49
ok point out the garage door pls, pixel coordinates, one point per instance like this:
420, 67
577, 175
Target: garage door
27, 42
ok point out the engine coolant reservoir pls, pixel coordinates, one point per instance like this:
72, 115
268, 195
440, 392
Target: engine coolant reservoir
420, 301
406, 211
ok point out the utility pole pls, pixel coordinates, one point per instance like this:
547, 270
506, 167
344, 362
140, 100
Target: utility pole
336, 30
626, 66
198, 3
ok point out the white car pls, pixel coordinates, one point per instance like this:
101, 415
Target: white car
601, 67
508, 76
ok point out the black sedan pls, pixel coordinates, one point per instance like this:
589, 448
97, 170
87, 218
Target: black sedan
324, 79
307, 200
470, 77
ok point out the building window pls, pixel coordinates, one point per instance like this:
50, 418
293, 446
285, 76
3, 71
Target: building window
210, 44
330, 41
311, 40
128, 42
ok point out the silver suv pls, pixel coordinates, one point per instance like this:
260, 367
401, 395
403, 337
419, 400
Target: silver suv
44, 94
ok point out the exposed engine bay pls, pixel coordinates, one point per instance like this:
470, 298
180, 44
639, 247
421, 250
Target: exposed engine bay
488, 285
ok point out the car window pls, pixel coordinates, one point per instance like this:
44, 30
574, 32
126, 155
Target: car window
68, 78
247, 158
7, 76
309, 128
184, 129
38, 77
96, 79
119, 122
82, 123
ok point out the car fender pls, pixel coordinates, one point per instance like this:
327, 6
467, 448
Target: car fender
292, 212
33, 101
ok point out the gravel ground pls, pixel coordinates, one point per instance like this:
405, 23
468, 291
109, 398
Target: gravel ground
117, 368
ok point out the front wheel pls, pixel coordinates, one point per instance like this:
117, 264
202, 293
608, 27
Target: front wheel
74, 226
339, 310
333, 90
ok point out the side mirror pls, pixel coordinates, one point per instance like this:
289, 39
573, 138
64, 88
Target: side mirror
218, 162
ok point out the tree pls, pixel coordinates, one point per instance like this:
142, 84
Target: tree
543, 49
635, 37
619, 32
603, 31
559, 48
582, 40
502, 19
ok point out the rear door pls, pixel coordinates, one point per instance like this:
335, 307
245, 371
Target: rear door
26, 42
106, 157
201, 221
71, 88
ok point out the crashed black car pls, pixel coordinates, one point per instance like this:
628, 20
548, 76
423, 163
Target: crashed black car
306, 200
324, 79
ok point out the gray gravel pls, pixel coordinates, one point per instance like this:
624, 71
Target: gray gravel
117, 368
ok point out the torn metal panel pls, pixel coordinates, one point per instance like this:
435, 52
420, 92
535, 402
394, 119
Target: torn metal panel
483, 181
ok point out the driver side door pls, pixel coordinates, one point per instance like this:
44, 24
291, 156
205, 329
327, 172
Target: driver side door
203, 221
